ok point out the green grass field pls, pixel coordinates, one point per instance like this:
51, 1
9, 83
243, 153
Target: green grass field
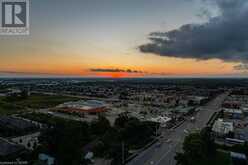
7, 108
34, 101
44, 118
43, 101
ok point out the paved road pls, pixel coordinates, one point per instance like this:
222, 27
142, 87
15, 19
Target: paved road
164, 155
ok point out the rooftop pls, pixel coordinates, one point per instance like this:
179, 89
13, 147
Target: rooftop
223, 127
15, 123
7, 148
229, 110
82, 104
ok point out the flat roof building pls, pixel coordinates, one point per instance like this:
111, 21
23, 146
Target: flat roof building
81, 106
233, 113
160, 119
9, 150
222, 128
12, 126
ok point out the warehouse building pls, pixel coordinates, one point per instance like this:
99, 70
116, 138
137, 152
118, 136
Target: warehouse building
92, 107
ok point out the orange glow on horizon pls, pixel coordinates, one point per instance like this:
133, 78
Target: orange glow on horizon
149, 65
117, 74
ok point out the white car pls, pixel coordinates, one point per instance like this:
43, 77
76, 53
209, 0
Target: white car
186, 131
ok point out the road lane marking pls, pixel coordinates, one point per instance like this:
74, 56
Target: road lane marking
174, 147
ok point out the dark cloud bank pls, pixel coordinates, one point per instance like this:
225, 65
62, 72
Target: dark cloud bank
223, 37
115, 70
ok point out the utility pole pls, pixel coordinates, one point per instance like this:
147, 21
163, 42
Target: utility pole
123, 152
157, 129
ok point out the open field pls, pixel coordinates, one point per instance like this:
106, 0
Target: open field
8, 106
44, 118
43, 101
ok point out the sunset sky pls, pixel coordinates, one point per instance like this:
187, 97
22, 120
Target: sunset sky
130, 38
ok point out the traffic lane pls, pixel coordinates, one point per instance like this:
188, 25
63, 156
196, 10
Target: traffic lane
161, 154
154, 151
176, 137
205, 114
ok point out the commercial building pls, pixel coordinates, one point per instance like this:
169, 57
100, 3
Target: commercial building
231, 104
222, 128
12, 126
233, 113
10, 151
83, 107
29, 141
160, 119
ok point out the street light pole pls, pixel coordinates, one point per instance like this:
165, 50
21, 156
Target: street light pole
123, 152
157, 128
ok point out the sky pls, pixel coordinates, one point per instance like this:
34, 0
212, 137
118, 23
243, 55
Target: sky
130, 38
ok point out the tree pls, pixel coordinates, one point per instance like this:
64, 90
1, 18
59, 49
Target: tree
65, 141
24, 94
100, 126
123, 95
181, 159
208, 141
29, 144
121, 120
193, 146
197, 146
136, 133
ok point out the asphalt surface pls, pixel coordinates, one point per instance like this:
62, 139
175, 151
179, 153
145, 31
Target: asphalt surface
163, 152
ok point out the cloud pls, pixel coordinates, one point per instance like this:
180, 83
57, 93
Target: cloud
241, 67
223, 37
9, 72
115, 70
16, 72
